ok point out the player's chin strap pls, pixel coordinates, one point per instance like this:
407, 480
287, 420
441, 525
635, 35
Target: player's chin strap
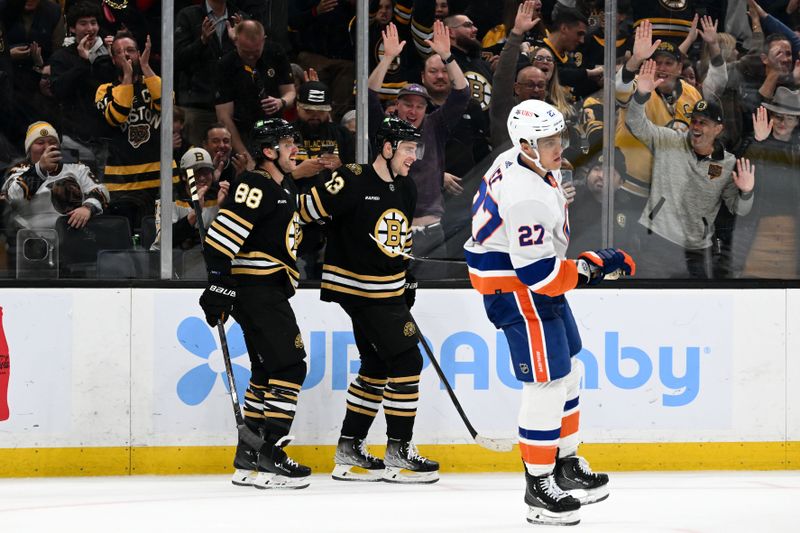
535, 161
389, 163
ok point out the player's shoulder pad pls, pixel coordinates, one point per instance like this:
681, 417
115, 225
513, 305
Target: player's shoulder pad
356, 169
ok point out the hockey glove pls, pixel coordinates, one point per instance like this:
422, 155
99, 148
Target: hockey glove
601, 263
217, 300
410, 292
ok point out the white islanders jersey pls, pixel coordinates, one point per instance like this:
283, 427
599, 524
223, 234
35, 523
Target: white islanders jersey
520, 231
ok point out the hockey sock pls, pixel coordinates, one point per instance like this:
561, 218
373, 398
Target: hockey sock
364, 398
400, 406
254, 407
540, 424
280, 402
570, 419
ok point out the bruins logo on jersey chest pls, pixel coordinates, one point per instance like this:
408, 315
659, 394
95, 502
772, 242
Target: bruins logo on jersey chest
392, 231
480, 88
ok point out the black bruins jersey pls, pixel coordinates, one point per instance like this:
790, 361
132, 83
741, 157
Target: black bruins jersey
255, 235
360, 209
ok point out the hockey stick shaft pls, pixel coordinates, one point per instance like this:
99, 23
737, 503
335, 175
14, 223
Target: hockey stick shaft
245, 433
418, 258
446, 383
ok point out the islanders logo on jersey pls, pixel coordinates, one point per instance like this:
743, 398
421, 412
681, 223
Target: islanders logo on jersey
391, 232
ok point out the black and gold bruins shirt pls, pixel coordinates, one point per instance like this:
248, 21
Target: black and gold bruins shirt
255, 235
368, 223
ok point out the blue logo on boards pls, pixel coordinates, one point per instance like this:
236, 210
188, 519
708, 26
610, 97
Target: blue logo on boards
196, 337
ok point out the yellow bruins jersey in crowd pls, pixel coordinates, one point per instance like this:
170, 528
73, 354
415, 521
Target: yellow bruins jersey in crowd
368, 224
673, 111
133, 158
255, 235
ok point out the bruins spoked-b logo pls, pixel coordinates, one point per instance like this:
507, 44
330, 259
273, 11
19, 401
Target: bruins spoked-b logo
678, 5
391, 231
294, 234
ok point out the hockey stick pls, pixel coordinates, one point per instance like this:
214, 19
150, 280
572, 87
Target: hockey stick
245, 433
496, 445
416, 258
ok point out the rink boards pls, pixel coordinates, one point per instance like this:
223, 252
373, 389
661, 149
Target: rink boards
116, 381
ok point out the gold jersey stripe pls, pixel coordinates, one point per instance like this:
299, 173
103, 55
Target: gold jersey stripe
284, 397
219, 247
404, 379
228, 233
230, 214
127, 170
253, 414
255, 271
362, 277
318, 202
337, 288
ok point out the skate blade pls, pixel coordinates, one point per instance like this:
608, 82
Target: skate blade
590, 496
356, 473
243, 478
537, 515
401, 475
269, 481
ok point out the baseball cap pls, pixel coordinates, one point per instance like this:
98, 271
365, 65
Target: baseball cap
669, 49
314, 96
708, 108
414, 89
196, 158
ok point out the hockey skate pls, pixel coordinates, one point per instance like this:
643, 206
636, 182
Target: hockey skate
548, 504
405, 465
574, 476
355, 463
276, 470
246, 464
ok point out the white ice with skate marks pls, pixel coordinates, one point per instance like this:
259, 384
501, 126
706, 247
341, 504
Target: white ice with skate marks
458, 503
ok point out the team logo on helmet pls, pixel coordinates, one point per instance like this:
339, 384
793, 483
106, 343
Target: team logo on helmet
391, 231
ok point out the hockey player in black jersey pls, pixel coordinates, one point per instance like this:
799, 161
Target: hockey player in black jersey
369, 210
250, 251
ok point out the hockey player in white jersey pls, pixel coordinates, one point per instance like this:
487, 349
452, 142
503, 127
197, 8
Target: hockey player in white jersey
517, 261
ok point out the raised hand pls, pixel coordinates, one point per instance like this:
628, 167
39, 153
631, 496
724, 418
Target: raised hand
745, 175
224, 187
643, 45
761, 127
230, 26
310, 75
392, 46
144, 59
206, 30
441, 40
524, 21
709, 31
646, 81
84, 47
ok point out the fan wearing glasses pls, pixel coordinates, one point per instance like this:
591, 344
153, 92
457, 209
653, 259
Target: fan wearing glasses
466, 49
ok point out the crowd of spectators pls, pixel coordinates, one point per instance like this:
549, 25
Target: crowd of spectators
706, 179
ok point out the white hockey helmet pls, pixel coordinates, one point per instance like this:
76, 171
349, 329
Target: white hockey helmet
532, 120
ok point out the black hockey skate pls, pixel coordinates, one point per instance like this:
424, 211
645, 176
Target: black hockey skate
404, 464
548, 504
276, 470
574, 476
246, 464
355, 463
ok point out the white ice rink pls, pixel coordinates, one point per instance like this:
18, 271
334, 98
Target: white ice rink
762, 502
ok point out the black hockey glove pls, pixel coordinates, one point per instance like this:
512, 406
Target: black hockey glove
217, 300
410, 287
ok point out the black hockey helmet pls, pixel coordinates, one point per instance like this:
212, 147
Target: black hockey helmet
267, 133
395, 130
